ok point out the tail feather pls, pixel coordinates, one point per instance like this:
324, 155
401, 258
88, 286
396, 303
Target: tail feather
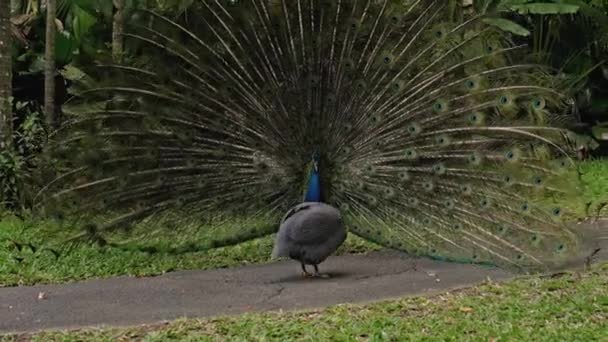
433, 140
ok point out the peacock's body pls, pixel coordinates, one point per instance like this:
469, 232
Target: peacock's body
309, 233
312, 230
434, 137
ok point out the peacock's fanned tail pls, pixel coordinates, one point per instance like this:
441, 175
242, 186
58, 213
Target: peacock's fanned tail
436, 139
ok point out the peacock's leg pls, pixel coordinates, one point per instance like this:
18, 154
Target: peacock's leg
317, 274
304, 271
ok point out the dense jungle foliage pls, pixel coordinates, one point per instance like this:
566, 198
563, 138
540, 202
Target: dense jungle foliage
569, 35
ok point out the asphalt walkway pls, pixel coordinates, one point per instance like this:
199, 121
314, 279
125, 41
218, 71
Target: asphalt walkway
126, 301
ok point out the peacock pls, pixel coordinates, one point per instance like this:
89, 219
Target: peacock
431, 133
312, 230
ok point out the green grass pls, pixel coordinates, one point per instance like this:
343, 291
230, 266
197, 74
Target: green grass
86, 261
592, 192
571, 307
89, 261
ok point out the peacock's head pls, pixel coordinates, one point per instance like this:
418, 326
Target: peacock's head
313, 189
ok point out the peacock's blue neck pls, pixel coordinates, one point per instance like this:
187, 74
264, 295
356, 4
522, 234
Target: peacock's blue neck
313, 192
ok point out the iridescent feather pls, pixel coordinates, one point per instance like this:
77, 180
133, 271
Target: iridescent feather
434, 139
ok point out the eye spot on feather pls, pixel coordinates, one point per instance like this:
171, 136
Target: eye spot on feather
426, 221
471, 84
372, 201
476, 119
449, 204
538, 104
537, 180
466, 189
440, 106
414, 129
397, 86
508, 180
345, 150
404, 176
560, 248
412, 201
513, 155
485, 203
563, 163
389, 193
439, 169
394, 20
502, 229
489, 48
457, 226
535, 240
525, 207
313, 81
443, 140
428, 185
475, 159
410, 153
506, 100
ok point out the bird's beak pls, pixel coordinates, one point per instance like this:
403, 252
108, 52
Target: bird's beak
315, 165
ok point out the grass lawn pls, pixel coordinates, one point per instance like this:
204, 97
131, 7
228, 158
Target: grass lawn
22, 267
89, 261
569, 307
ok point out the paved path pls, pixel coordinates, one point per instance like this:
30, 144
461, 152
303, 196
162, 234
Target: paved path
130, 301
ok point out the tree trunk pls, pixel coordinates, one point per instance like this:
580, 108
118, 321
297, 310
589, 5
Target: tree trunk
49, 69
118, 28
6, 74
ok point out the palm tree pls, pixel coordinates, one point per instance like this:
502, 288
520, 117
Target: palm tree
6, 73
49, 70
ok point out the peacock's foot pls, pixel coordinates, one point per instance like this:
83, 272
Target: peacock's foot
305, 273
319, 275
322, 275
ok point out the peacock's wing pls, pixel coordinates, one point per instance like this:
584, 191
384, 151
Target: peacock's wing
436, 139
312, 223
